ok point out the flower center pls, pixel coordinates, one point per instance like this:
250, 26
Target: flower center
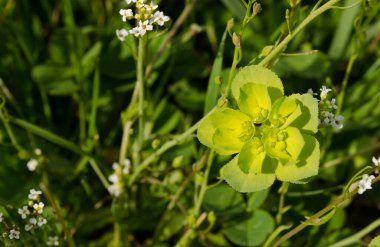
248, 130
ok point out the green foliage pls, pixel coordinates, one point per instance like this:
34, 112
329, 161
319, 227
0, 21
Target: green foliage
71, 100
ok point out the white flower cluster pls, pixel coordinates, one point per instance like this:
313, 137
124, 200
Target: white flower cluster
33, 163
366, 182
145, 16
326, 116
32, 213
117, 178
52, 241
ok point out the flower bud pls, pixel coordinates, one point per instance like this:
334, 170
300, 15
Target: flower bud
236, 40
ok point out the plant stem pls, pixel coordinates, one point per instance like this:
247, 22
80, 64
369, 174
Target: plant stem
140, 82
357, 236
49, 136
182, 17
235, 62
98, 172
345, 81
91, 135
60, 217
166, 146
190, 233
203, 190
280, 47
125, 141
9, 130
342, 198
283, 191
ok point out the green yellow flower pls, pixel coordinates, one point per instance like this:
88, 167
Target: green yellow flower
271, 134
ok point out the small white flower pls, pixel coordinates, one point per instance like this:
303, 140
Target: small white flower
331, 104
336, 121
34, 194
144, 27
365, 183
115, 189
53, 241
33, 221
23, 212
160, 18
37, 151
39, 207
113, 178
324, 92
311, 92
1, 217
127, 166
121, 34
28, 227
32, 165
41, 221
130, 1
126, 14
14, 234
375, 161
135, 31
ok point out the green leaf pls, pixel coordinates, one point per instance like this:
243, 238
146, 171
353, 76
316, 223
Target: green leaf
252, 231
48, 73
90, 59
250, 182
257, 75
306, 166
213, 89
254, 100
308, 120
222, 199
225, 130
61, 88
256, 199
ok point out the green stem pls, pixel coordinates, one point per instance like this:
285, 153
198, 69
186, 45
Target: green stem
357, 236
180, 20
166, 146
283, 191
203, 190
344, 83
140, 82
336, 204
48, 136
235, 62
91, 136
45, 104
281, 46
9, 130
125, 141
56, 207
191, 231
99, 173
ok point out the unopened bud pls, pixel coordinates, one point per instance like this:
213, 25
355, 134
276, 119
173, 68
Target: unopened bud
156, 143
256, 8
266, 50
236, 40
218, 80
